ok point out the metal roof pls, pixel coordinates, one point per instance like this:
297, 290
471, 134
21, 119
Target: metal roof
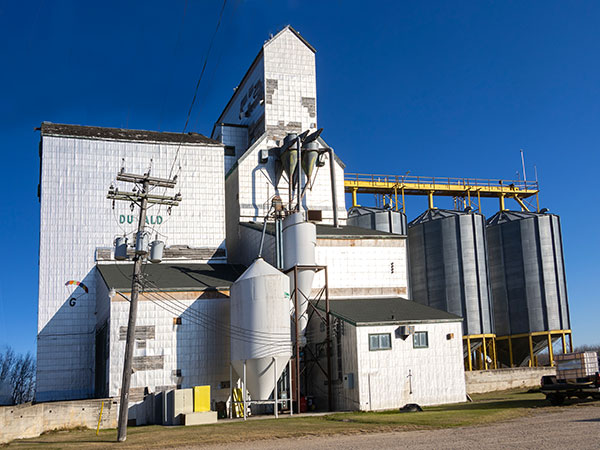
298, 35
238, 89
329, 231
511, 216
121, 134
173, 277
385, 311
360, 210
436, 214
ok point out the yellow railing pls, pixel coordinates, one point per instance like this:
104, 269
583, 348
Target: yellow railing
401, 185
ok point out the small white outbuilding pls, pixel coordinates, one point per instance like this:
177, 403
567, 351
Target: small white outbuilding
388, 352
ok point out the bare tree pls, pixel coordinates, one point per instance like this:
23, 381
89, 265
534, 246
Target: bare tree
7, 361
588, 348
19, 372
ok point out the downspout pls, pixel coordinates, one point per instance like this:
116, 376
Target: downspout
299, 169
336, 222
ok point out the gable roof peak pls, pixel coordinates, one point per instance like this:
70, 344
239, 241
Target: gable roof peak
296, 33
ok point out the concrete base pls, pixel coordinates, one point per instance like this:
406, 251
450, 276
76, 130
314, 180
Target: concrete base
480, 381
27, 421
200, 418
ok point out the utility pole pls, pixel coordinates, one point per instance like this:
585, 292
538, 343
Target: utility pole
143, 198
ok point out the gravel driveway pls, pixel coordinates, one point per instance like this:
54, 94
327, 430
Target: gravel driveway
575, 427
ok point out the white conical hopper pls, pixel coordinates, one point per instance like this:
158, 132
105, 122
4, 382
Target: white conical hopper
289, 158
260, 327
299, 242
309, 158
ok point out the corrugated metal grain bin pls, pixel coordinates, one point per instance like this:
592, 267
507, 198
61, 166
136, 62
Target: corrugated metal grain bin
379, 219
527, 273
448, 266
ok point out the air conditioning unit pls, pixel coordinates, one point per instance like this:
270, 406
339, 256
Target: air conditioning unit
404, 331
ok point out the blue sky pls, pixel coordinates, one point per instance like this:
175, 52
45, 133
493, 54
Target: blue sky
437, 88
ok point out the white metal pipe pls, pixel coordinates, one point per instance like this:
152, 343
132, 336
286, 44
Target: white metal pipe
336, 222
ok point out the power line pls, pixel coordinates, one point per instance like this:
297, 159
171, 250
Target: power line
221, 326
177, 42
187, 120
220, 54
190, 315
143, 198
239, 333
176, 306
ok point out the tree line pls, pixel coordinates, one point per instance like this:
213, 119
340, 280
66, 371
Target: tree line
17, 377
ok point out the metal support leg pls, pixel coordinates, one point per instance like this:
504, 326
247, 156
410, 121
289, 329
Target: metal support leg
469, 353
403, 205
530, 351
230, 392
485, 363
244, 390
276, 406
290, 392
297, 343
564, 343
571, 342
328, 325
550, 351
510, 352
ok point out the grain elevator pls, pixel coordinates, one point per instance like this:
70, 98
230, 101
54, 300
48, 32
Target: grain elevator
269, 290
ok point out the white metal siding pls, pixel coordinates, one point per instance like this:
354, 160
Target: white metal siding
437, 372
363, 267
199, 347
76, 218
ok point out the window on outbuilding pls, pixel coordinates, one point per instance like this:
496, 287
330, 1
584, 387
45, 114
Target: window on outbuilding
420, 339
382, 341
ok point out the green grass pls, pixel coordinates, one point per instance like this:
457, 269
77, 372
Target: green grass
483, 410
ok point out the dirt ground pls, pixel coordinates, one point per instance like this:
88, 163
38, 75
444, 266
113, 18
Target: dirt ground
576, 427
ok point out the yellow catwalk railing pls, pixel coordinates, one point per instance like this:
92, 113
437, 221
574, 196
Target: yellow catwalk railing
397, 186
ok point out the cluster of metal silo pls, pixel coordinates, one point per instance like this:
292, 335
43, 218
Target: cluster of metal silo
505, 277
